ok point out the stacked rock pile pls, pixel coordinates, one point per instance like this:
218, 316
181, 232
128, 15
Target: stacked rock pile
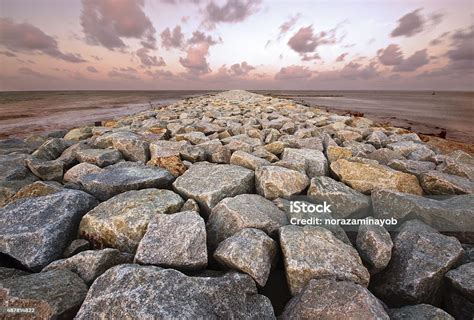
184, 212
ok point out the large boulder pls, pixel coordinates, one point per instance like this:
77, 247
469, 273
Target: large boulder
36, 189
462, 280
250, 251
419, 312
330, 299
210, 183
309, 161
51, 149
124, 176
437, 182
452, 214
375, 246
344, 201
315, 253
243, 211
99, 157
90, 264
273, 182
366, 177
35, 231
151, 292
75, 174
176, 241
56, 294
247, 160
121, 221
421, 256
413, 167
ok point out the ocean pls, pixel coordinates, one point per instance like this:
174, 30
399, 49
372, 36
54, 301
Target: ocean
24, 113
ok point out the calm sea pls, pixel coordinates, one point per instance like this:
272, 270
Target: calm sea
23, 113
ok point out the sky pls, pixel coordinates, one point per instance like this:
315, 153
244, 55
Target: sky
236, 44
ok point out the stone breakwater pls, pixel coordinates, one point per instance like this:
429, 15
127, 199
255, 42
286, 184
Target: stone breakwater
183, 212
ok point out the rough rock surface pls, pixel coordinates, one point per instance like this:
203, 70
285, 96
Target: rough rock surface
175, 241
315, 253
452, 214
436, 182
99, 157
35, 231
375, 246
121, 221
169, 294
243, 211
123, 177
419, 312
36, 189
421, 256
56, 294
91, 263
76, 173
210, 183
330, 299
344, 201
250, 251
273, 182
365, 177
247, 160
76, 246
462, 279
309, 161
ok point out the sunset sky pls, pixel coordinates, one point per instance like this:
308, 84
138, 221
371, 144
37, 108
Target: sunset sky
247, 44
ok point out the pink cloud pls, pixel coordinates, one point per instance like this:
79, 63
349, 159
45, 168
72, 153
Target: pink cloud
391, 55
24, 37
148, 60
106, 22
195, 61
293, 72
232, 11
172, 38
305, 41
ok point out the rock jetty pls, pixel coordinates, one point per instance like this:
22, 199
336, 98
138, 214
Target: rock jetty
186, 212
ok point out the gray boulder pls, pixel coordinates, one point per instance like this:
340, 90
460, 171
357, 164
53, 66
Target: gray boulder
121, 221
315, 253
273, 182
124, 176
247, 160
250, 251
462, 280
243, 211
436, 182
75, 174
421, 256
309, 161
210, 183
411, 166
35, 231
76, 246
169, 294
419, 312
90, 264
46, 170
344, 201
99, 157
174, 240
330, 299
375, 246
452, 214
51, 149
56, 294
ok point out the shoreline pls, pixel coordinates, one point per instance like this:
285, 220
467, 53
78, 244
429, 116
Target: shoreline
431, 134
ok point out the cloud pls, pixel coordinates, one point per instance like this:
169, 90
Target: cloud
200, 37
287, 25
439, 39
342, 56
391, 55
232, 11
24, 37
32, 73
148, 60
160, 74
354, 71
241, 69
413, 62
106, 22
92, 69
124, 73
409, 25
172, 38
461, 54
310, 57
196, 59
306, 41
293, 72
7, 53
